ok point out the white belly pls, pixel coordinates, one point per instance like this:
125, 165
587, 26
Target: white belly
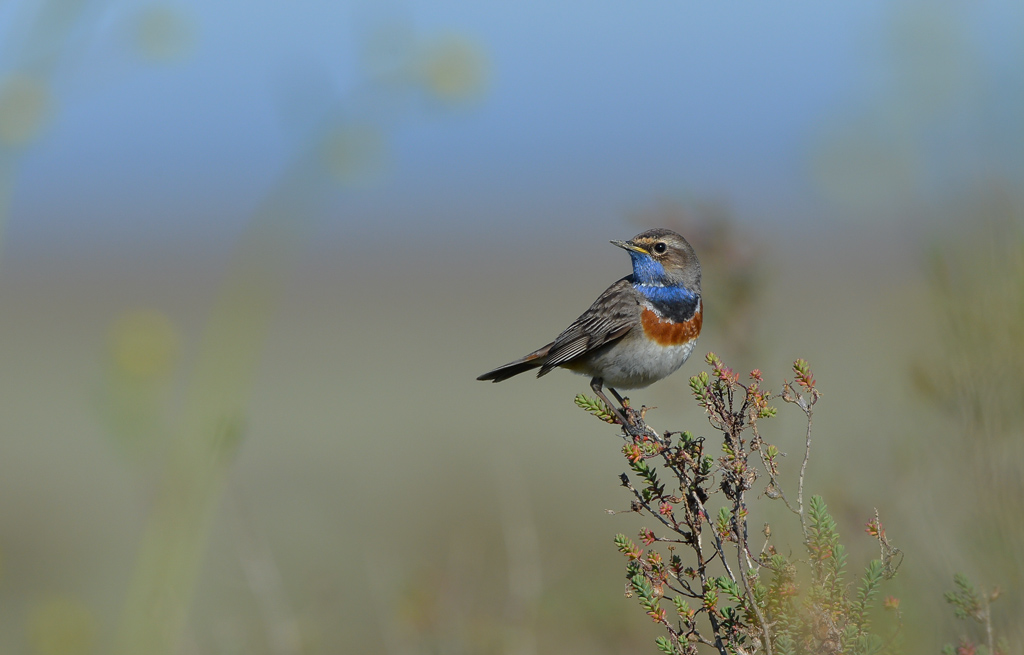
632, 364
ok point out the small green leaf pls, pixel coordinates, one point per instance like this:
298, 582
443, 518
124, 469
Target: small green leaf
682, 606
665, 646
595, 407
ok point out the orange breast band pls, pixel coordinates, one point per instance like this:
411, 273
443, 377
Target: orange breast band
667, 333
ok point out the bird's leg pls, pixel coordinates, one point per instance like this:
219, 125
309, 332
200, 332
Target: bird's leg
617, 396
624, 402
596, 384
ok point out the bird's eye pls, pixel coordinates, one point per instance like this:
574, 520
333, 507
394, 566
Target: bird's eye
660, 248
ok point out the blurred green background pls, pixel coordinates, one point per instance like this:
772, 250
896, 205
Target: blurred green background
255, 255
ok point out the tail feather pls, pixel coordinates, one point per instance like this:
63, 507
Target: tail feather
533, 360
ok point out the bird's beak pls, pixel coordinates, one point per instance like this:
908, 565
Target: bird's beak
626, 245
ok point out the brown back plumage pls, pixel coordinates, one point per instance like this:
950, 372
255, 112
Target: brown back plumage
607, 320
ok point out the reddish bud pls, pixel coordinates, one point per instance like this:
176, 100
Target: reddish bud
647, 536
804, 377
966, 648
659, 615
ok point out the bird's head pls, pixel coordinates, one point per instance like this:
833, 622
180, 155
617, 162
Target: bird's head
663, 258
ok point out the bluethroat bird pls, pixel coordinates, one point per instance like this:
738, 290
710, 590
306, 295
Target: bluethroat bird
641, 329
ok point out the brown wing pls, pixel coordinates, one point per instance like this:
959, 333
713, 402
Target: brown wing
610, 317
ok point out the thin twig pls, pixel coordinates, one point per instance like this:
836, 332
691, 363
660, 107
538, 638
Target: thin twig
702, 572
990, 640
718, 540
790, 396
741, 551
771, 472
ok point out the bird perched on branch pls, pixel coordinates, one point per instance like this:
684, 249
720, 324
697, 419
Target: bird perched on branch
641, 329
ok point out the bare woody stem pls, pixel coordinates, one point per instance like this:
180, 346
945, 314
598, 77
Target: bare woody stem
741, 554
702, 567
803, 472
990, 640
791, 396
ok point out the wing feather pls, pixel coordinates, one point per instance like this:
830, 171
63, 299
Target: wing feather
611, 316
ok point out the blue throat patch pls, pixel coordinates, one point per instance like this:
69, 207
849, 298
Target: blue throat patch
672, 301
646, 270
650, 279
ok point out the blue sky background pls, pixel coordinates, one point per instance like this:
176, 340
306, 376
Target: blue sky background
589, 112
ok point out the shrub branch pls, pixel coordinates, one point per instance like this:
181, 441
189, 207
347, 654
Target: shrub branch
725, 596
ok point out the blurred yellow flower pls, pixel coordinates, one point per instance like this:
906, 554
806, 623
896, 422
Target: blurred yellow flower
164, 33
454, 69
61, 626
24, 107
144, 344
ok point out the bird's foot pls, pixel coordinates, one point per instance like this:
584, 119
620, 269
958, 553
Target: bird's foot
634, 422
